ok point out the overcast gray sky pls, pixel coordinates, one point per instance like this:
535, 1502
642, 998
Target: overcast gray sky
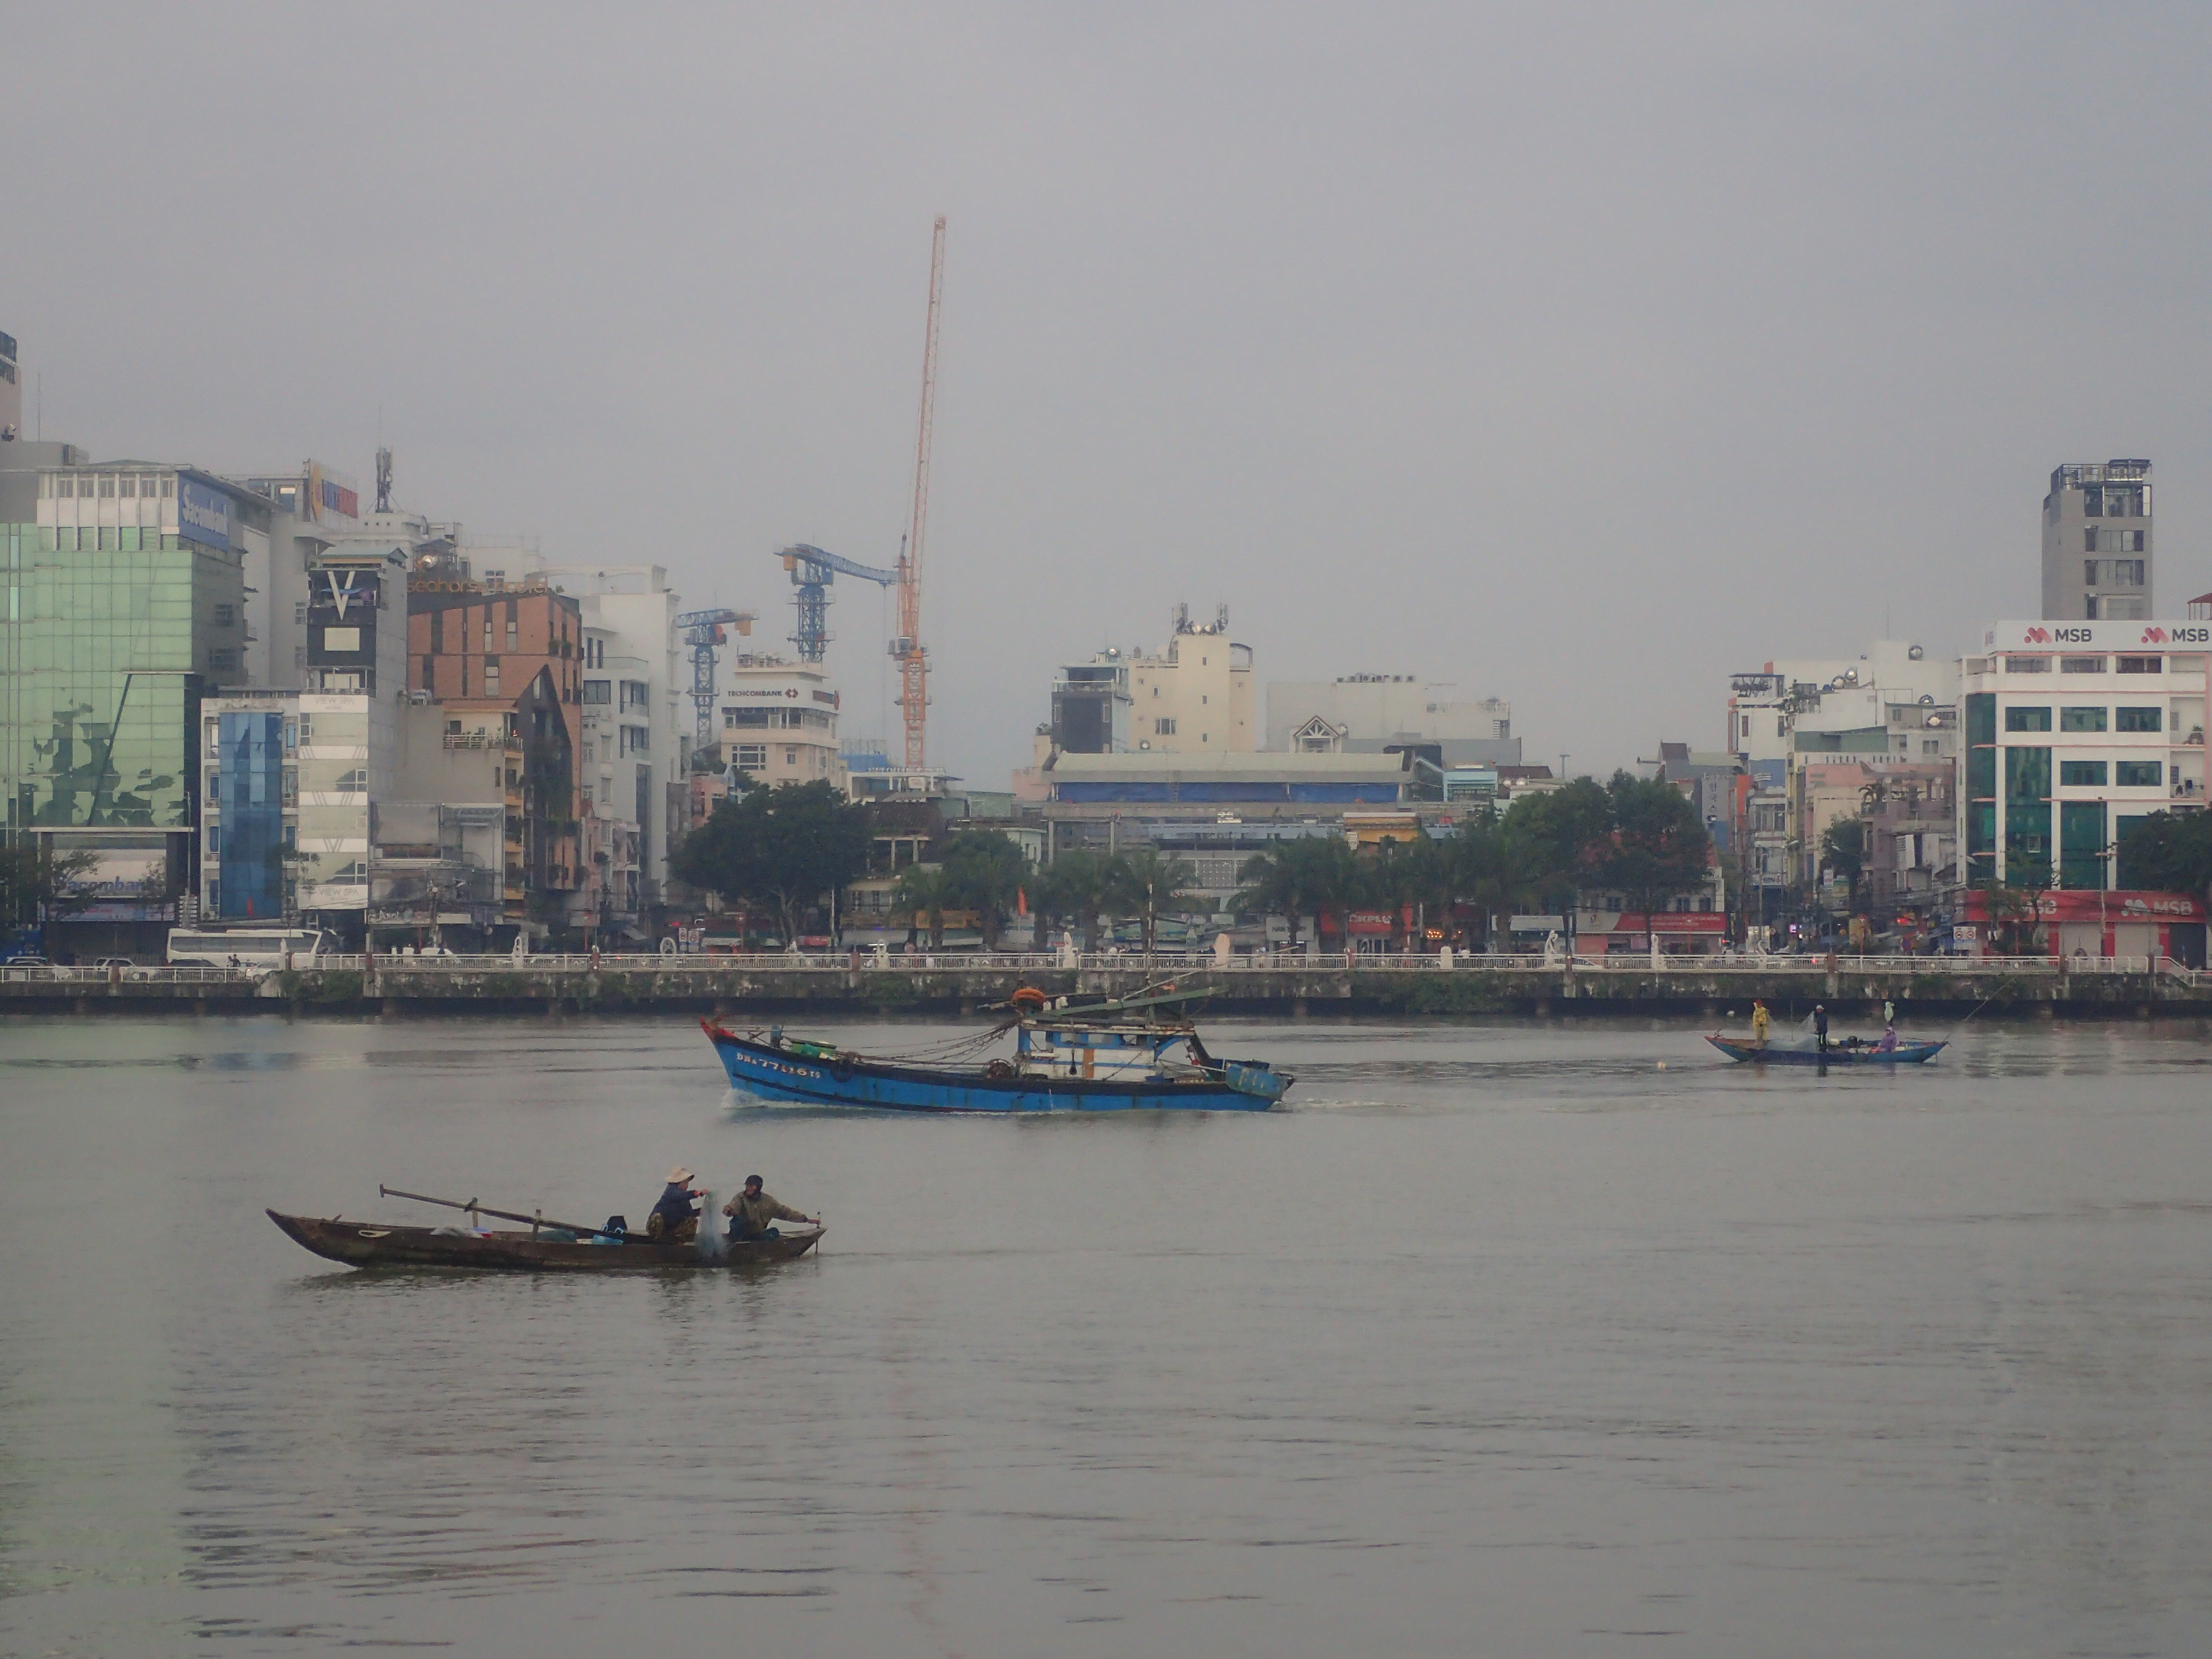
1579, 355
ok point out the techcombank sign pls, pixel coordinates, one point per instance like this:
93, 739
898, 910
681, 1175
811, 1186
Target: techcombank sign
2128, 636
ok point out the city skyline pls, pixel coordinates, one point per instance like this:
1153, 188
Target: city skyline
1734, 337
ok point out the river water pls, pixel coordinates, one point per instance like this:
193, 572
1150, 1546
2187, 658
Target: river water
1500, 1340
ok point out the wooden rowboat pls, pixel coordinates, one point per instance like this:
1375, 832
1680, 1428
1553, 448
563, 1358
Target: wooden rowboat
370, 1244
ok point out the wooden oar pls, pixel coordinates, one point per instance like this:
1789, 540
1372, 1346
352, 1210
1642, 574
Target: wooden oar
475, 1208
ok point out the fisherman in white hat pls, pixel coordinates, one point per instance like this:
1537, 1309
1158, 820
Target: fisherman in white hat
674, 1217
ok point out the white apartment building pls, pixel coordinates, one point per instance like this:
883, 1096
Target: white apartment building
1369, 714
779, 722
2076, 731
637, 730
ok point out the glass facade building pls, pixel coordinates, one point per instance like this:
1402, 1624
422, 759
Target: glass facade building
250, 821
105, 650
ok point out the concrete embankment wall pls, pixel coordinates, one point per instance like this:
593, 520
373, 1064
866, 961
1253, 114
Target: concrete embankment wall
740, 993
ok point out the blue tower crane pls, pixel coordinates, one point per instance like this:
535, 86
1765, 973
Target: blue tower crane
703, 630
812, 572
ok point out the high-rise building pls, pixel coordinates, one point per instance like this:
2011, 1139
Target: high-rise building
2097, 554
124, 606
2074, 736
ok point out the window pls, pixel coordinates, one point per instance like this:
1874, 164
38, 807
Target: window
635, 739
491, 677
596, 692
2089, 545
2027, 664
353, 782
2080, 665
2027, 774
2082, 719
635, 694
2138, 775
223, 662
2081, 775
752, 756
510, 635
791, 758
2143, 665
429, 673
1931, 745
2028, 719
1163, 728
487, 629
2139, 719
226, 616
106, 486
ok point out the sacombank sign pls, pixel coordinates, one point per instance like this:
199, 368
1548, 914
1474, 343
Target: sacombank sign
203, 514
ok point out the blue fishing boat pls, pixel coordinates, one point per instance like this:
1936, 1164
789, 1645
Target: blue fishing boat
1847, 1051
1139, 1054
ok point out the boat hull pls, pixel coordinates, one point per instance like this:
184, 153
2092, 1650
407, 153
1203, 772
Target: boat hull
365, 1244
772, 1073
1905, 1053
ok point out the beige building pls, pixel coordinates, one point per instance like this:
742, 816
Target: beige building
1195, 697
779, 722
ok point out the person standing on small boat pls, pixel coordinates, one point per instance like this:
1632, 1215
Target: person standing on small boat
674, 1217
752, 1211
1820, 1026
1759, 1021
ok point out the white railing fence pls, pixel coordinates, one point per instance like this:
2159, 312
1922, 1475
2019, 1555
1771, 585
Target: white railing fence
1133, 963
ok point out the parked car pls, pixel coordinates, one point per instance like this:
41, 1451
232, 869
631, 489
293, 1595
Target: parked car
26, 962
115, 961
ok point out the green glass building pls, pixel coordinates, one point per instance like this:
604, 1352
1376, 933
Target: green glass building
111, 632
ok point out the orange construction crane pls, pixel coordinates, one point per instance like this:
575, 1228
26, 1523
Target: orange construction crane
912, 656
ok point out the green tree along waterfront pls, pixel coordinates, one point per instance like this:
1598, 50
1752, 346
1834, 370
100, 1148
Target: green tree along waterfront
780, 849
1637, 836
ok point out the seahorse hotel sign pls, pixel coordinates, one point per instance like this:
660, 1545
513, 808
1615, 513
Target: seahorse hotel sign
203, 513
2097, 637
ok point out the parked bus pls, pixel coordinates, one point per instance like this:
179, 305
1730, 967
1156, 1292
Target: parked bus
248, 947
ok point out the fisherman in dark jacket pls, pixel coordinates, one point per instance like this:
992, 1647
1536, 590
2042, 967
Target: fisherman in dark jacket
1820, 1026
674, 1217
752, 1211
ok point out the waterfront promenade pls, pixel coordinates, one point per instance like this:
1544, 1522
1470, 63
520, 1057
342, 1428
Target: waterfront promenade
1299, 986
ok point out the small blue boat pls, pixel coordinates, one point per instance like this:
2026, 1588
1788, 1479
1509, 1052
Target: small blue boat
1849, 1051
1131, 1055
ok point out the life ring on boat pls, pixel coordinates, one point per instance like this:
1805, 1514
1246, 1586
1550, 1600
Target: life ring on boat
1030, 1000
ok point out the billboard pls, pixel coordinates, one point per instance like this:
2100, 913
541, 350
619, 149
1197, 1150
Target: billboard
2017, 636
203, 513
326, 497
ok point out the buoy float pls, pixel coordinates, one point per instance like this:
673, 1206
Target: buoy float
1662, 1065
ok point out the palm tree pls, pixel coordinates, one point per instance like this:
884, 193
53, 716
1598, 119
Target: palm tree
1391, 877
1079, 887
1312, 876
924, 890
1146, 884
